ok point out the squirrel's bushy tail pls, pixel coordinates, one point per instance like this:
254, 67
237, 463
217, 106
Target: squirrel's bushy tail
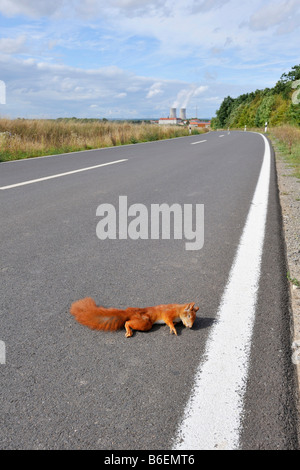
89, 314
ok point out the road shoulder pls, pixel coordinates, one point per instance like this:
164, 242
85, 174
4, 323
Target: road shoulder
289, 194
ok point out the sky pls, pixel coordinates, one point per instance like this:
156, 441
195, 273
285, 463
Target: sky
135, 59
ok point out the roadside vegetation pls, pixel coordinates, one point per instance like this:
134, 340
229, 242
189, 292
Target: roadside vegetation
278, 106
287, 140
23, 138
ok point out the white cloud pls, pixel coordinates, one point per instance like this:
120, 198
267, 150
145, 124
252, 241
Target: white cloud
200, 89
140, 56
12, 45
39, 88
31, 8
137, 7
155, 89
83, 8
96, 8
185, 95
216, 99
275, 14
206, 5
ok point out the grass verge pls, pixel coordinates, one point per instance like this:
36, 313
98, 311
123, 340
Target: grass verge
24, 138
287, 139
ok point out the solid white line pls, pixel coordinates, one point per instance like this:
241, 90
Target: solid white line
199, 142
212, 417
61, 174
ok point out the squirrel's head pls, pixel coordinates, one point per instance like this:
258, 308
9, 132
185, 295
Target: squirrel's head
188, 315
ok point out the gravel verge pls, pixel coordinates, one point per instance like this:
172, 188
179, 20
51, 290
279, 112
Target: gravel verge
289, 193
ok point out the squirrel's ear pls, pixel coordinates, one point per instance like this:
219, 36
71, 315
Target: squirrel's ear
196, 309
190, 306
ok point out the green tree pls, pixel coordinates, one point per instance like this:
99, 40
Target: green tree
255, 108
264, 110
293, 75
294, 114
224, 112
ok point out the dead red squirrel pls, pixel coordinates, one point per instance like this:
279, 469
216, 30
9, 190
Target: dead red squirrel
88, 313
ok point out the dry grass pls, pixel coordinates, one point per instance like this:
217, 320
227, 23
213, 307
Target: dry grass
288, 140
22, 138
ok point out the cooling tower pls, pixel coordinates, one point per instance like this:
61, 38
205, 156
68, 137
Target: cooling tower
173, 113
183, 114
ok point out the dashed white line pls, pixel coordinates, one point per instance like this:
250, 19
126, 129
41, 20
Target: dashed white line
223, 135
199, 142
23, 183
212, 417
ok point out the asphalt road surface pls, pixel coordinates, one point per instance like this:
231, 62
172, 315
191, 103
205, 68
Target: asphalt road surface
64, 386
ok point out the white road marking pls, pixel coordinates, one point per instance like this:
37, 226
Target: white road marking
199, 142
212, 417
69, 154
222, 135
23, 183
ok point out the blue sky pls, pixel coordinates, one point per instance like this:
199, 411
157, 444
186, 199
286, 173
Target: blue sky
138, 58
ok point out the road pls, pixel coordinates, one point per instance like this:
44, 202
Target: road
64, 386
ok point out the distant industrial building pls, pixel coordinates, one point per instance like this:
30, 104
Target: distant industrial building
183, 114
173, 119
169, 121
172, 113
198, 123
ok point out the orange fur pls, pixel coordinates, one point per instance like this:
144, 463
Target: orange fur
89, 314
